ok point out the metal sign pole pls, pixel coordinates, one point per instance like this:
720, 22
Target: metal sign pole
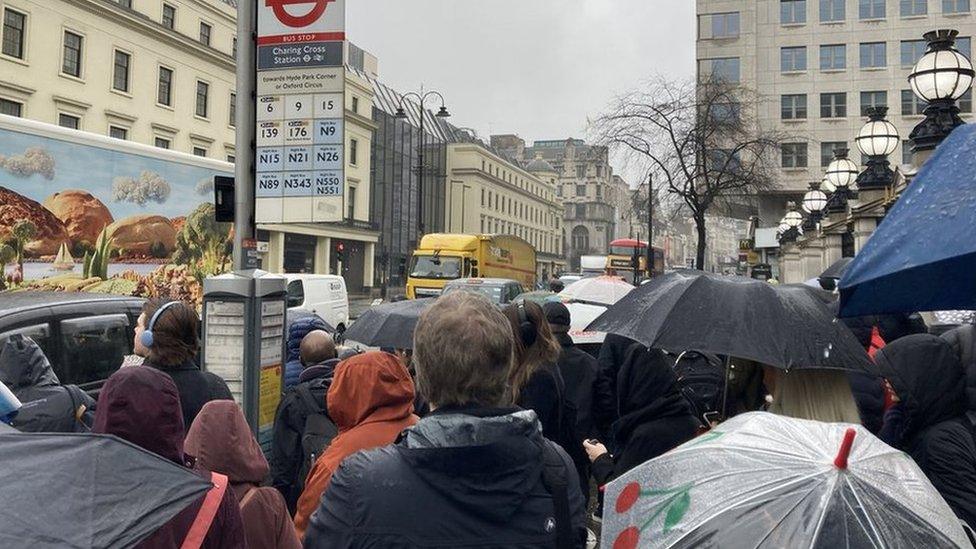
244, 119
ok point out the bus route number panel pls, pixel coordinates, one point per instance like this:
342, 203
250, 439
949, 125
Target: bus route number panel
300, 150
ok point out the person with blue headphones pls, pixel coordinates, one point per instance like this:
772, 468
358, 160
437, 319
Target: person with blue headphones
167, 337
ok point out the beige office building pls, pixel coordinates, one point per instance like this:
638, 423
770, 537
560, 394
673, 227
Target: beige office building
817, 64
488, 193
159, 72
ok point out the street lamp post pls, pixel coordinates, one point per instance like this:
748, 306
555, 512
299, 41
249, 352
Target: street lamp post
814, 203
791, 224
422, 98
840, 176
939, 78
877, 139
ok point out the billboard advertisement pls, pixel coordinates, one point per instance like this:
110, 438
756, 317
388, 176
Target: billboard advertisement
68, 196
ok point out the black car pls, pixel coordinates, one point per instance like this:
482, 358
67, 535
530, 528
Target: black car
85, 336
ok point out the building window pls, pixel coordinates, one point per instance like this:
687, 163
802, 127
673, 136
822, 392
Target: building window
833, 57
231, 158
906, 152
581, 238
833, 105
955, 6
719, 25
832, 10
965, 103
199, 151
794, 155
827, 151
164, 90
871, 99
169, 16
71, 57
162, 143
911, 105
233, 47
120, 72
203, 92
912, 51
351, 203
792, 11
581, 190
914, 7
793, 59
14, 25
580, 172
871, 9
118, 132
69, 121
874, 55
205, 31
126, 3
233, 110
724, 69
355, 104
965, 45
793, 107
11, 108
353, 152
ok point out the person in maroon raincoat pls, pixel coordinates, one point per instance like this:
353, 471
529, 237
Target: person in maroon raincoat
142, 405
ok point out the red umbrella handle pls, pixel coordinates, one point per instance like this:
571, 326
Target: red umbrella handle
845, 449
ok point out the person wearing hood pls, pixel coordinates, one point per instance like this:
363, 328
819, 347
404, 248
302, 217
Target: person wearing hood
612, 353
142, 406
220, 440
291, 456
47, 406
963, 342
654, 416
475, 472
935, 428
371, 402
296, 333
578, 370
167, 336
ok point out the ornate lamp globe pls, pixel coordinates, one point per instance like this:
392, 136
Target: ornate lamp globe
815, 201
793, 219
943, 72
841, 172
939, 78
877, 137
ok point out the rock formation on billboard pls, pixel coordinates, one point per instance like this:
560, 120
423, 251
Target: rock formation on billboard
143, 235
83, 215
50, 230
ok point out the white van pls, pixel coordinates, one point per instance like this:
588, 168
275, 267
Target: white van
324, 295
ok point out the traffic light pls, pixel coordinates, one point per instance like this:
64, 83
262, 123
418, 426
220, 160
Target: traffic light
339, 249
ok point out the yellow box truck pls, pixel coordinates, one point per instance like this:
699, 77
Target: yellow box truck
445, 257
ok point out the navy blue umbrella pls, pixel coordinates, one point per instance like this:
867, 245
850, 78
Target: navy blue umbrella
923, 255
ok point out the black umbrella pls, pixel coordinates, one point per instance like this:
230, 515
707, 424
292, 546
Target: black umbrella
388, 324
837, 268
788, 327
87, 490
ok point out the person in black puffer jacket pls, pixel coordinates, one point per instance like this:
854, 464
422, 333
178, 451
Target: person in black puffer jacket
936, 426
654, 416
963, 342
47, 406
612, 353
475, 472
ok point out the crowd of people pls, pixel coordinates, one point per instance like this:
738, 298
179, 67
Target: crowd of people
493, 430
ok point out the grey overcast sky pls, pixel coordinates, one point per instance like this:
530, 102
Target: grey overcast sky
537, 68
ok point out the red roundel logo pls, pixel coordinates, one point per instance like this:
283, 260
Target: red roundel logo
313, 10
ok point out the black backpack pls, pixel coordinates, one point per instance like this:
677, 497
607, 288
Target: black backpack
701, 380
319, 429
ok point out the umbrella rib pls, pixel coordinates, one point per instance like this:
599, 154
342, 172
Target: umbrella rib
878, 540
750, 449
823, 513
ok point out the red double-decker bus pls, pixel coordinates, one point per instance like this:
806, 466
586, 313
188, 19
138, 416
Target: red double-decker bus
621, 256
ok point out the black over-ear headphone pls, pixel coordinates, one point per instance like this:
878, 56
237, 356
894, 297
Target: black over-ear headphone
527, 330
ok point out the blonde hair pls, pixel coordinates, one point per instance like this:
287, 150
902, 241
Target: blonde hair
822, 395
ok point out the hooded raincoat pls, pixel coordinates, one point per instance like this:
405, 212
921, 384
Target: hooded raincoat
142, 405
462, 477
296, 333
371, 402
654, 416
221, 441
928, 378
48, 406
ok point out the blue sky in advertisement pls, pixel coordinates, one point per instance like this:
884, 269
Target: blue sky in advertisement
127, 183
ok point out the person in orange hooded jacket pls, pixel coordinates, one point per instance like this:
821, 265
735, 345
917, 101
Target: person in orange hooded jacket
371, 402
